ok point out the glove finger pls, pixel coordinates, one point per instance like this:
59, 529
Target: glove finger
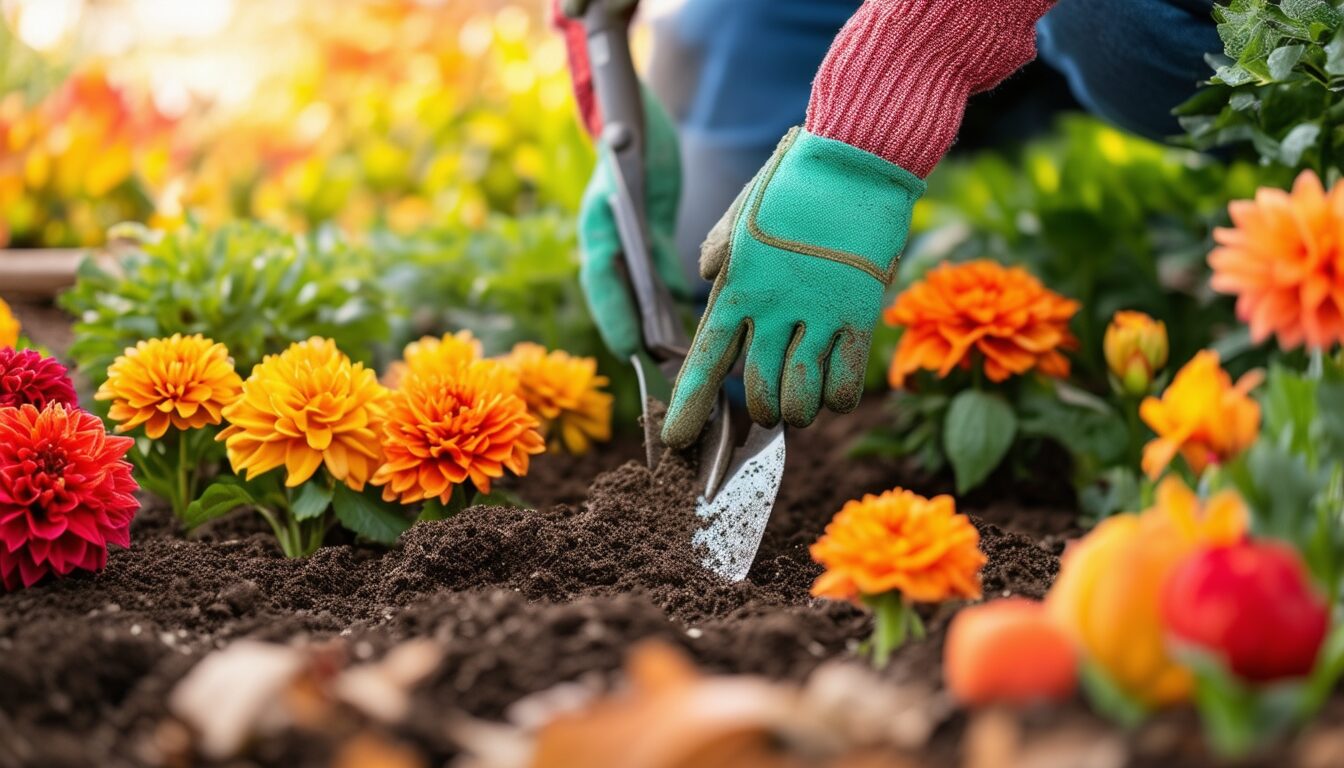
762, 375
846, 369
804, 371
713, 352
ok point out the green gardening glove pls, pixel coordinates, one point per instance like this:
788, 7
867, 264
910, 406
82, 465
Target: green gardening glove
800, 266
609, 299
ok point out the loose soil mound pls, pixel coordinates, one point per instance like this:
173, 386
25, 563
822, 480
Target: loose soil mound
521, 600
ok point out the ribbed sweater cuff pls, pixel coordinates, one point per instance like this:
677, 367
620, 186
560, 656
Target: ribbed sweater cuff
898, 76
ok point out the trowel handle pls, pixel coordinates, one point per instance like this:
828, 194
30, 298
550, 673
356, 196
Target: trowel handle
623, 134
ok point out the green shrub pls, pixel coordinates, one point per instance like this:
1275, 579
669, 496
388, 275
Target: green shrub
253, 288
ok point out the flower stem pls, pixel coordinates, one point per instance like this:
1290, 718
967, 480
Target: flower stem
183, 487
894, 621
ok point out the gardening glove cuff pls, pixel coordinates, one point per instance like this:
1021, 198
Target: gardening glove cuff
898, 76
800, 267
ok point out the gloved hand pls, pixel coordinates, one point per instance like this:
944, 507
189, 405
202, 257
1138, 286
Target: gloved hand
609, 299
800, 266
801, 262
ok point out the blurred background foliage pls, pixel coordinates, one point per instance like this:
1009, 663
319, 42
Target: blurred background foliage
378, 113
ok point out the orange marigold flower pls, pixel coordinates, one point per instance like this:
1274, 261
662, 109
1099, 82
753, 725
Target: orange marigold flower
183, 382
564, 393
1136, 348
444, 427
1284, 261
1015, 323
9, 326
303, 408
433, 354
903, 542
1202, 416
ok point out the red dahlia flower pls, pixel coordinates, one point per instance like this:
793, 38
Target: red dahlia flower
28, 378
1251, 604
65, 493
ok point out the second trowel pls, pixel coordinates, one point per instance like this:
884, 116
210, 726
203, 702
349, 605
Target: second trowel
739, 482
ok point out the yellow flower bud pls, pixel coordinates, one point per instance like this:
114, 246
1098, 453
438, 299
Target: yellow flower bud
1136, 349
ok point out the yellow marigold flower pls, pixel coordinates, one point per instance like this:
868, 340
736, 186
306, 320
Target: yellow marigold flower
1282, 260
1202, 416
1136, 349
182, 382
981, 311
1109, 592
444, 427
303, 408
434, 354
903, 542
565, 393
9, 326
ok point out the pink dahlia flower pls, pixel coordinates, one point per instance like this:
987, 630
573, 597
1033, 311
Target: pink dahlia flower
66, 493
29, 378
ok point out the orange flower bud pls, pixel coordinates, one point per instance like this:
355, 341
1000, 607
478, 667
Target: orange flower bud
1136, 349
1108, 596
1008, 651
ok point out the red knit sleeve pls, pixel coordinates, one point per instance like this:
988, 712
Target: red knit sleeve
898, 76
580, 72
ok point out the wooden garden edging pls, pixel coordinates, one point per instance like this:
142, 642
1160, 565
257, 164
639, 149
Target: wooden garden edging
38, 272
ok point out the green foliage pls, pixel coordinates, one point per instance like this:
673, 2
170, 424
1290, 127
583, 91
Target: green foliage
1278, 87
300, 517
250, 287
977, 433
514, 280
1293, 477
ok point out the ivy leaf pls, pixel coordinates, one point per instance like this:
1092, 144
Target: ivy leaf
977, 433
222, 497
314, 499
371, 519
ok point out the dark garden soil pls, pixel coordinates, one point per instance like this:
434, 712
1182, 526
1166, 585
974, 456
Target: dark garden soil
518, 601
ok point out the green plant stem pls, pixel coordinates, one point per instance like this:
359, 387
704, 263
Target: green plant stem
183, 486
1136, 430
297, 538
894, 621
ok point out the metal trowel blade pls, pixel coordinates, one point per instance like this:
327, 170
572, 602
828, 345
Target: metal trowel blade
733, 520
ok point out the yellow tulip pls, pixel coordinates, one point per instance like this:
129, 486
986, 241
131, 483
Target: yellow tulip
1108, 594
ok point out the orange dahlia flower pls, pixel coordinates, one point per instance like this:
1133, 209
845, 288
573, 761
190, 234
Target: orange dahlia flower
903, 542
1284, 261
1202, 416
9, 326
183, 382
443, 428
303, 408
434, 354
564, 393
1014, 323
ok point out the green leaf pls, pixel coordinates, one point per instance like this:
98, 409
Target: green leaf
1334, 55
434, 509
367, 517
313, 500
221, 498
1282, 60
977, 433
1107, 698
1298, 141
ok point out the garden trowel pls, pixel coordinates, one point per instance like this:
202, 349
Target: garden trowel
740, 483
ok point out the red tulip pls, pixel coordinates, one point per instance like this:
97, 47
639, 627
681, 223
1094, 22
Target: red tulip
1251, 604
